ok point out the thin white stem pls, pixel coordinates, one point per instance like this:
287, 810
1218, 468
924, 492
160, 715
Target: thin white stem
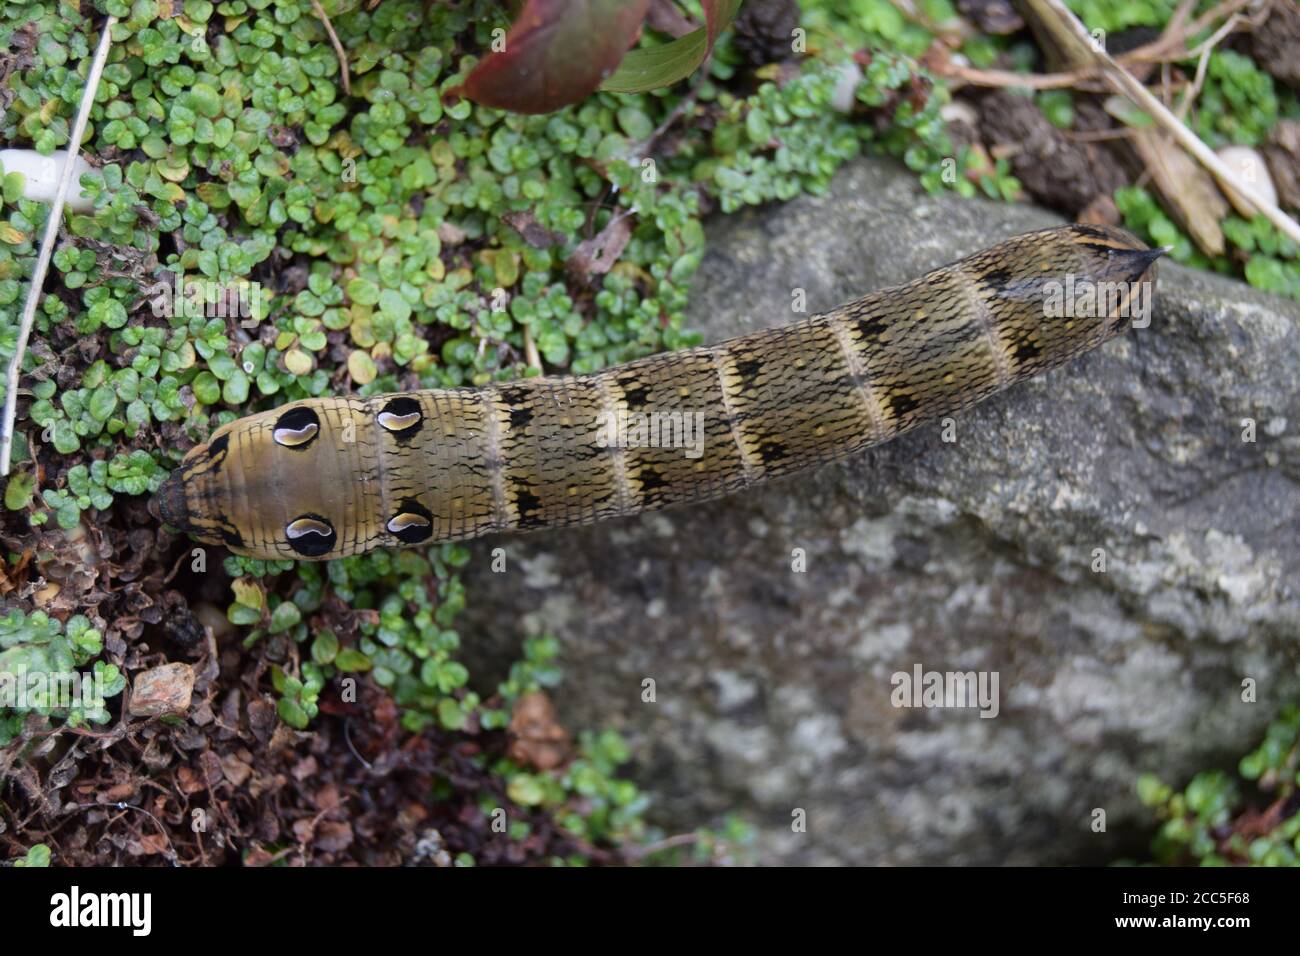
1125, 82
47, 245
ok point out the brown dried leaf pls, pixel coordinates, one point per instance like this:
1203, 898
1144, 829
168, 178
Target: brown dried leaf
597, 255
334, 836
534, 233
539, 740
1185, 189
1283, 157
665, 17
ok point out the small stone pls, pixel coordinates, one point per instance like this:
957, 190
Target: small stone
845, 94
162, 690
992, 16
1251, 169
959, 111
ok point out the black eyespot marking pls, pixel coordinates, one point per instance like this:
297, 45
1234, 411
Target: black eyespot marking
529, 506
872, 327
310, 535
748, 367
1027, 350
900, 403
635, 392
296, 428
772, 451
651, 479
413, 522
402, 416
520, 416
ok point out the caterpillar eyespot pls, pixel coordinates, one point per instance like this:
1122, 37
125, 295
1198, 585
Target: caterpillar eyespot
412, 524
401, 416
310, 535
664, 430
296, 428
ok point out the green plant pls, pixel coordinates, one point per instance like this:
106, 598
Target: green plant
36, 856
41, 661
1272, 261
1113, 16
1237, 104
1057, 106
1212, 823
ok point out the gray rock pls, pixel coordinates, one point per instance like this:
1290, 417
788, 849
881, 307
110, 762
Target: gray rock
774, 687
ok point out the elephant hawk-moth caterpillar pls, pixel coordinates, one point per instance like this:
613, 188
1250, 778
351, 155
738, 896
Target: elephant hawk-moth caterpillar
330, 477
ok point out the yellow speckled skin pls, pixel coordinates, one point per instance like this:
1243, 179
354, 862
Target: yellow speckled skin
332, 477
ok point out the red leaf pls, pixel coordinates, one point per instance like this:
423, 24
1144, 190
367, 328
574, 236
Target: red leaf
556, 53
717, 14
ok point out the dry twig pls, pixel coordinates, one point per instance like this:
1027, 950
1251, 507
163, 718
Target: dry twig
338, 46
1125, 83
1204, 50
1169, 47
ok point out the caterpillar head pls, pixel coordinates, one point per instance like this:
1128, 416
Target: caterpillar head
296, 482
1056, 293
1105, 279
1122, 272
239, 488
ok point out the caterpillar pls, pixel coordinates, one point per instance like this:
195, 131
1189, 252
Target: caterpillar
331, 477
